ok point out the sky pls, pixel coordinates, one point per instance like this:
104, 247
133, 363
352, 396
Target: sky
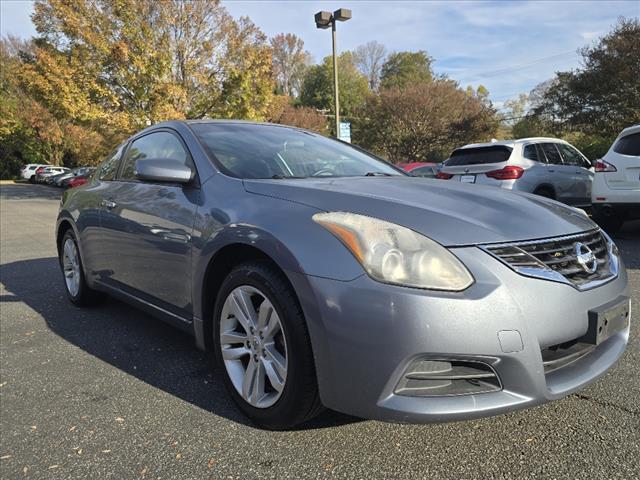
507, 46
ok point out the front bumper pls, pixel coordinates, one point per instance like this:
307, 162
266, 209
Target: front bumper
365, 334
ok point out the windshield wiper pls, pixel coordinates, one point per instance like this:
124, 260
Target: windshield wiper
377, 174
282, 177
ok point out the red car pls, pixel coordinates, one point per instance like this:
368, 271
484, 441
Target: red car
420, 169
77, 181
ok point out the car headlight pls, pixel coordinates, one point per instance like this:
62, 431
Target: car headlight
394, 254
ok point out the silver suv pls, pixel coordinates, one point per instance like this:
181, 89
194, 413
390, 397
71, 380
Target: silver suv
545, 166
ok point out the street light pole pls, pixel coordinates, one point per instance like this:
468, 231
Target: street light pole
336, 95
325, 20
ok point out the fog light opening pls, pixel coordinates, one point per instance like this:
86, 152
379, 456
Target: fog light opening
425, 378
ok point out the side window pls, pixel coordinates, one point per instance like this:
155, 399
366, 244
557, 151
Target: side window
571, 156
531, 152
426, 172
154, 145
108, 169
629, 145
552, 154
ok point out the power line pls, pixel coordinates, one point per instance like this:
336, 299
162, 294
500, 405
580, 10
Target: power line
500, 71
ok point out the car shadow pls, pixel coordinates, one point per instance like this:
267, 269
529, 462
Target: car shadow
628, 241
132, 341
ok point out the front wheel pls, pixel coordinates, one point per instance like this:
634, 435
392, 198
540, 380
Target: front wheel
71, 264
262, 342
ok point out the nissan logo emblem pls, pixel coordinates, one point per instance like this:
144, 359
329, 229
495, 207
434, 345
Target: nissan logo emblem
585, 257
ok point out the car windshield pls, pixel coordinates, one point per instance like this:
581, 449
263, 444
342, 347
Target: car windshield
479, 155
270, 151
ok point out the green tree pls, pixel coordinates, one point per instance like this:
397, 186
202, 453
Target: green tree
404, 68
603, 96
423, 121
317, 88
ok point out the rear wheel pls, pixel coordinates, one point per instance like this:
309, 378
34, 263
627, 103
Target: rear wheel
71, 264
262, 343
545, 192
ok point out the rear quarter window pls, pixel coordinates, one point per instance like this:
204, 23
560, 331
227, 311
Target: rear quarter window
629, 145
531, 152
479, 155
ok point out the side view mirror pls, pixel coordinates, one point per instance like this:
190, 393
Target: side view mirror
163, 170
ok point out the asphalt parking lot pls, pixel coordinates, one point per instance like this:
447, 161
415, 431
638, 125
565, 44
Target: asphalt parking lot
113, 393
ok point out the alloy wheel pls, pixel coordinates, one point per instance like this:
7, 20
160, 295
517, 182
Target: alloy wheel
71, 266
253, 346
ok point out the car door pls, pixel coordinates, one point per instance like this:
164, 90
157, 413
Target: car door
147, 227
582, 176
538, 172
560, 176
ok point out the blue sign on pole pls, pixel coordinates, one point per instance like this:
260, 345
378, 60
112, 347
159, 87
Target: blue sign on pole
345, 132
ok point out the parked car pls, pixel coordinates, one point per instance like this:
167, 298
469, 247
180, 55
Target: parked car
28, 172
420, 169
76, 181
321, 275
79, 179
616, 185
548, 167
80, 171
44, 173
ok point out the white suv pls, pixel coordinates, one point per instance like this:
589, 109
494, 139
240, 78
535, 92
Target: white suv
28, 172
615, 193
545, 166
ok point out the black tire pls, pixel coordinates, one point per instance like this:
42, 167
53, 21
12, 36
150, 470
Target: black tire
85, 297
32, 179
299, 400
545, 192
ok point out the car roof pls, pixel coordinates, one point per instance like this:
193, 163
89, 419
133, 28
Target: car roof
629, 130
176, 124
513, 143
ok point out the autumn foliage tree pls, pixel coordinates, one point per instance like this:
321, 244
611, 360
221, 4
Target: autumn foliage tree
107, 68
423, 121
290, 61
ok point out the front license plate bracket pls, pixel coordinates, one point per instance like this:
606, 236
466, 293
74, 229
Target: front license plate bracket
607, 320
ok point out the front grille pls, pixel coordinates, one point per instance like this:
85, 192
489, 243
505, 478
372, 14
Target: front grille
557, 259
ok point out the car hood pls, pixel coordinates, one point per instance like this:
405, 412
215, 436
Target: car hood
448, 212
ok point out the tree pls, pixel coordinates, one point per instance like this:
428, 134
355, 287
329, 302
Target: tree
403, 68
122, 63
317, 88
423, 121
603, 96
29, 132
369, 59
290, 61
297, 116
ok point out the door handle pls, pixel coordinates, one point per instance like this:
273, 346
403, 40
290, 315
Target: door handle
551, 170
109, 204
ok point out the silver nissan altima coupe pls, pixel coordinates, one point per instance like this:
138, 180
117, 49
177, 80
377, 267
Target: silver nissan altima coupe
322, 276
